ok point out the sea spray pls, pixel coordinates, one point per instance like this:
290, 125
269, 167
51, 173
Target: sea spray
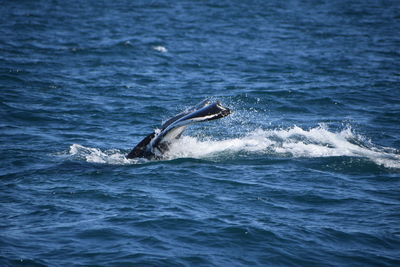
96, 155
291, 142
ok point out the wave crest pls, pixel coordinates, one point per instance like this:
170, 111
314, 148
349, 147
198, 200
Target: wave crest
292, 142
96, 155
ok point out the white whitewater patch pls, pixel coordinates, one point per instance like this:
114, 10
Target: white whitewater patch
160, 48
95, 155
292, 142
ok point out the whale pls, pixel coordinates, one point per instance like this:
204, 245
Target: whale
156, 144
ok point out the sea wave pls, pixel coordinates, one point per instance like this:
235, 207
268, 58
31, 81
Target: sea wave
96, 155
291, 142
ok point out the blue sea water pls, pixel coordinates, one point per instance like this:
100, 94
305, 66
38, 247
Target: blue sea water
306, 171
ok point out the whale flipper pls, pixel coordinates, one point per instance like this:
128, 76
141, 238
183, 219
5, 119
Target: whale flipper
156, 143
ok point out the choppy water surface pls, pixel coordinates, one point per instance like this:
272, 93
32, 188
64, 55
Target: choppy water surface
306, 171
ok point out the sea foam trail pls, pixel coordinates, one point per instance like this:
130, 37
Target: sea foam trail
95, 155
292, 142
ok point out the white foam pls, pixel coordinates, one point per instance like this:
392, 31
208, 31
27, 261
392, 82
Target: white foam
160, 48
95, 155
291, 142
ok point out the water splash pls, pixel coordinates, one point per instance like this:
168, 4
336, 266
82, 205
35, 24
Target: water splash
291, 142
96, 155
160, 48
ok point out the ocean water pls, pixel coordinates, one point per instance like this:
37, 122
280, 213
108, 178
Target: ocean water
305, 172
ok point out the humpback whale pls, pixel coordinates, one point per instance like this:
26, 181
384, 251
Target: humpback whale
154, 145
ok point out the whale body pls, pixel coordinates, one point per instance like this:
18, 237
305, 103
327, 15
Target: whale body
154, 145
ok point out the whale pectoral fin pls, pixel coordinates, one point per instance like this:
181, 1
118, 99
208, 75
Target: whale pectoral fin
200, 105
163, 147
141, 150
167, 137
156, 144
